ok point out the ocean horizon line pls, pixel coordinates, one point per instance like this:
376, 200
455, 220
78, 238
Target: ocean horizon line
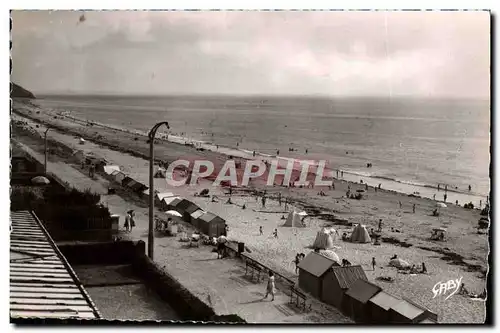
269, 96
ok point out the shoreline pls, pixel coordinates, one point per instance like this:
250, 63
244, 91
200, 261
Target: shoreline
360, 178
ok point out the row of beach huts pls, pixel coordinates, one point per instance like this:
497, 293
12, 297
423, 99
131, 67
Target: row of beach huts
348, 289
206, 222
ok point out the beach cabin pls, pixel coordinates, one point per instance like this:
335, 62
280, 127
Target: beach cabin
338, 281
183, 205
407, 312
171, 203
211, 225
160, 195
379, 306
126, 180
138, 187
355, 304
190, 210
131, 184
195, 217
312, 270
118, 176
109, 169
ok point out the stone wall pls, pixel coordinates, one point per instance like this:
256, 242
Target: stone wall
185, 303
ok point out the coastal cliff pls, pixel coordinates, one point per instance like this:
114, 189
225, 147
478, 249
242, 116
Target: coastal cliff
20, 92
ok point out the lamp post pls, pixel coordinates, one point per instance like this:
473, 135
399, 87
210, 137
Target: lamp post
46, 152
151, 237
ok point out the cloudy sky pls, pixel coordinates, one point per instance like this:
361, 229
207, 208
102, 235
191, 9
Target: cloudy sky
430, 54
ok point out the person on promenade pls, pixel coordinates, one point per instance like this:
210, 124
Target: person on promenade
445, 196
263, 201
271, 288
279, 198
127, 222
296, 261
424, 269
132, 221
374, 263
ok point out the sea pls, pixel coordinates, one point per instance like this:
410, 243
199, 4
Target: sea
413, 145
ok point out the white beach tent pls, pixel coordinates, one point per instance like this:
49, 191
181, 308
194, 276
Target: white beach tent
109, 169
324, 239
294, 220
360, 235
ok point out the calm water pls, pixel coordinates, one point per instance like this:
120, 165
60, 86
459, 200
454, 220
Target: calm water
419, 142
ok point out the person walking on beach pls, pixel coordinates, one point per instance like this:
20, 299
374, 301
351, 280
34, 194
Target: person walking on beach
337, 174
434, 197
261, 231
439, 187
445, 196
374, 263
424, 269
366, 187
400, 205
413, 208
342, 174
446, 188
275, 233
271, 288
470, 188
279, 198
263, 201
380, 225
379, 186
456, 202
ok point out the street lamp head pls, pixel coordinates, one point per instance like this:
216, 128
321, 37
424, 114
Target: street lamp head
152, 133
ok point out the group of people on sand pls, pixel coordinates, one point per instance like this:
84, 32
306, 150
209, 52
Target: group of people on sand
129, 221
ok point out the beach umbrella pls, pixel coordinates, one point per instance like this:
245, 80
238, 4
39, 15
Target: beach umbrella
173, 213
441, 204
40, 180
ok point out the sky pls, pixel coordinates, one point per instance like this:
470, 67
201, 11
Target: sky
421, 54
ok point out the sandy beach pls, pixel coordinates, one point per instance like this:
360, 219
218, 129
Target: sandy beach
464, 254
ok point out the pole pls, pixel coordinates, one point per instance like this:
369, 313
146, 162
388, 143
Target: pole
151, 200
46, 152
151, 236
